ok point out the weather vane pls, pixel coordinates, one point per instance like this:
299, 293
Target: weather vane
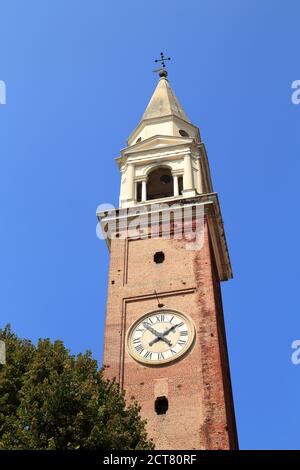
162, 71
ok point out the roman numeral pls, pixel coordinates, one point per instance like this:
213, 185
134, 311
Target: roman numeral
139, 349
173, 352
181, 343
141, 330
148, 355
180, 324
136, 340
160, 318
171, 319
184, 333
160, 356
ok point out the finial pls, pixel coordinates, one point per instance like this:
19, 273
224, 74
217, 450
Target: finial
162, 71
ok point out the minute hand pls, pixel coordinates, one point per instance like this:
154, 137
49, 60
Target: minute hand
165, 333
169, 330
157, 334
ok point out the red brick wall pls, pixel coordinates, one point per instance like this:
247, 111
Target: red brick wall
200, 414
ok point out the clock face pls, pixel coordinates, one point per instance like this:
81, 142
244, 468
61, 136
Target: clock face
160, 337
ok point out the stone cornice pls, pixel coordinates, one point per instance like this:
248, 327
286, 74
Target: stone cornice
163, 119
189, 146
212, 212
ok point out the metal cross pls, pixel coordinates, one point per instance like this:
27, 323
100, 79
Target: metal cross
162, 60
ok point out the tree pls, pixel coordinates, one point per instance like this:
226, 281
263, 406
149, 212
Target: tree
50, 399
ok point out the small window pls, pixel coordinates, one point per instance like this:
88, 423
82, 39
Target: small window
138, 140
180, 184
183, 133
159, 257
161, 405
139, 192
165, 179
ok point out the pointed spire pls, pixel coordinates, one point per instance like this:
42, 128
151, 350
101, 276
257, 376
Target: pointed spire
163, 101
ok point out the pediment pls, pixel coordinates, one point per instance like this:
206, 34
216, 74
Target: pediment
158, 141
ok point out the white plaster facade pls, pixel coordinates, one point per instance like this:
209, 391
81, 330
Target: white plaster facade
158, 142
164, 138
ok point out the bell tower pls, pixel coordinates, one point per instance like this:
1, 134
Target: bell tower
165, 338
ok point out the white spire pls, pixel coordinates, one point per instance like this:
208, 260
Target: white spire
164, 115
164, 103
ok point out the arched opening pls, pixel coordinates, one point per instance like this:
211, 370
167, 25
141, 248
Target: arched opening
183, 133
161, 405
160, 184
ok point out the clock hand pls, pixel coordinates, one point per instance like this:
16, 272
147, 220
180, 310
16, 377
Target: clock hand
169, 330
157, 334
163, 335
165, 340
148, 327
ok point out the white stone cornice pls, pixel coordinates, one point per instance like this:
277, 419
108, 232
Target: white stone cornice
150, 159
158, 121
214, 217
166, 152
178, 172
157, 142
139, 179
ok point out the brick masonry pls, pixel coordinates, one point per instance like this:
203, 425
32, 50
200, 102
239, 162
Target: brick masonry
198, 388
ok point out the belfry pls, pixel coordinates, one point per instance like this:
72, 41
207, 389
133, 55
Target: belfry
165, 338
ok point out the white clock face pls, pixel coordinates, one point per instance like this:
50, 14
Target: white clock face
160, 337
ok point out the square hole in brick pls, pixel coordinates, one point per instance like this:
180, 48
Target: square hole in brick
159, 257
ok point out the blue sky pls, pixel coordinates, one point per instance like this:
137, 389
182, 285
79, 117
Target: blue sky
79, 76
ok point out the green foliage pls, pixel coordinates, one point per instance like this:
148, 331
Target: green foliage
50, 399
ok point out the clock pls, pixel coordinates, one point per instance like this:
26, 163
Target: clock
160, 337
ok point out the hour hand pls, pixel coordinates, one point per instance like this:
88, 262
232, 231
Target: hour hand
157, 334
165, 340
149, 328
165, 333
